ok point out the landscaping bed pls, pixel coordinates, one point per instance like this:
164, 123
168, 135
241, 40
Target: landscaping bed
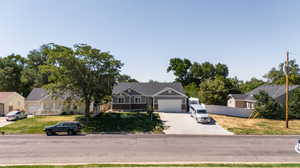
245, 126
123, 122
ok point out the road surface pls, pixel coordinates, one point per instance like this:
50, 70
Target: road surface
40, 149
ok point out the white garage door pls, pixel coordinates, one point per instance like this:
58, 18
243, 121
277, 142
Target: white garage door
33, 109
169, 105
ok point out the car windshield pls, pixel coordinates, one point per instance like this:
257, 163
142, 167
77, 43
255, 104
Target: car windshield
201, 111
12, 113
194, 102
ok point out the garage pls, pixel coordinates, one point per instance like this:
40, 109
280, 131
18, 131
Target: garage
169, 105
33, 109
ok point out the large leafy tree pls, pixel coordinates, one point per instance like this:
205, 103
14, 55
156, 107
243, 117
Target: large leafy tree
215, 91
277, 76
11, 68
181, 69
251, 84
83, 71
187, 72
126, 78
32, 76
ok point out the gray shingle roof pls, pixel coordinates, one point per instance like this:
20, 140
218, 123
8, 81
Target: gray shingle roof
274, 91
238, 96
147, 88
37, 94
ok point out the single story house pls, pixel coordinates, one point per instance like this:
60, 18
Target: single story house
10, 101
40, 102
165, 97
247, 100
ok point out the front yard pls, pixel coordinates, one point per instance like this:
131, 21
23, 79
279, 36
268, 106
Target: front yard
245, 126
130, 122
34, 125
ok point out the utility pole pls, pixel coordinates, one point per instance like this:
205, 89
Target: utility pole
287, 90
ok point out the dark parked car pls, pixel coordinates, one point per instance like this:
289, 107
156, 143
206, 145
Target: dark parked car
72, 128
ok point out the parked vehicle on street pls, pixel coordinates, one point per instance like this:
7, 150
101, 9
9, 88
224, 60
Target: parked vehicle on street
15, 115
297, 147
71, 128
198, 111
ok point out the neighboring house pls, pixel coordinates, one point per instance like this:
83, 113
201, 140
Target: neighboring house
247, 100
10, 101
40, 102
165, 97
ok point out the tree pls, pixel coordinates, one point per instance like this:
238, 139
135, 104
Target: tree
11, 68
213, 91
32, 76
187, 72
192, 90
250, 85
126, 78
153, 81
181, 69
221, 70
82, 71
266, 107
277, 76
294, 104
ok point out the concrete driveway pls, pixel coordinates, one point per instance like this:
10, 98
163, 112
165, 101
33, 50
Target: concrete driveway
183, 123
3, 121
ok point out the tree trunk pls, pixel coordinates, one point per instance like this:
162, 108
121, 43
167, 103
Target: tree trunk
87, 108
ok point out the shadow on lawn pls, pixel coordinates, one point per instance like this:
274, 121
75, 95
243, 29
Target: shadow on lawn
124, 122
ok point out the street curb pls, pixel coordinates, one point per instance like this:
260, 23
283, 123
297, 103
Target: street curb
155, 164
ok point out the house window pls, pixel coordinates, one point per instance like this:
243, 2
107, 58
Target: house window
121, 100
137, 100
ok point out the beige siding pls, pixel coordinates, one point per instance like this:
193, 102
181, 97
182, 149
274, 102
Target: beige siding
231, 102
53, 106
14, 102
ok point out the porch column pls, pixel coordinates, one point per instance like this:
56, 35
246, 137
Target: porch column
153, 103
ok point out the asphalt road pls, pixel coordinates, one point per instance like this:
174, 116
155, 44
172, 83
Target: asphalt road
35, 149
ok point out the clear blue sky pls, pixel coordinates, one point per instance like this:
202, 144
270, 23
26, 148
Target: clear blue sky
250, 36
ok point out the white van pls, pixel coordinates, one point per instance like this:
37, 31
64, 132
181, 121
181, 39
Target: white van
198, 111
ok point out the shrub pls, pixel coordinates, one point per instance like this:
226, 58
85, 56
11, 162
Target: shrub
266, 107
294, 104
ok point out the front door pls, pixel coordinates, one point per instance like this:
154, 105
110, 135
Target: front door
1, 109
10, 108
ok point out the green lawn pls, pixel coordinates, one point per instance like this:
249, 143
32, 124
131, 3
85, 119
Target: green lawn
125, 122
163, 165
34, 125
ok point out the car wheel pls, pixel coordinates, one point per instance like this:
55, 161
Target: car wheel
49, 133
70, 132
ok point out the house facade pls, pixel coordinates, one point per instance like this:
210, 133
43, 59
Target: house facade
10, 101
166, 97
247, 100
40, 102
